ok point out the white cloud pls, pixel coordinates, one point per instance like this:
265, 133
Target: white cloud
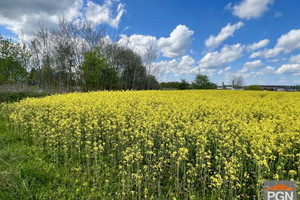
277, 14
228, 6
174, 46
228, 53
214, 62
138, 43
296, 82
179, 41
246, 77
107, 40
165, 66
290, 41
207, 71
274, 60
266, 70
248, 9
250, 76
98, 14
266, 53
185, 65
214, 41
227, 69
286, 43
252, 65
24, 17
186, 62
258, 45
295, 59
220, 72
283, 80
293, 69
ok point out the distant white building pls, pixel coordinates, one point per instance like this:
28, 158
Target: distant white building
229, 88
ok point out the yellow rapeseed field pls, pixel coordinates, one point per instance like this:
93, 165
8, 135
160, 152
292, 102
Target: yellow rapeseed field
167, 144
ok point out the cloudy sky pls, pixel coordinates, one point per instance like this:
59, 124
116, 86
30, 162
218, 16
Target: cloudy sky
256, 39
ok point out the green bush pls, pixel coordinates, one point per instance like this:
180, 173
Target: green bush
254, 87
13, 96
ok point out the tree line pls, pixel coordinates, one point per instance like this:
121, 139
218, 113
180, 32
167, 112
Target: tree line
201, 81
73, 57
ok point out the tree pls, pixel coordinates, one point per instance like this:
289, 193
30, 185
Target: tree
152, 53
152, 83
97, 73
32, 77
41, 48
13, 62
66, 55
183, 85
238, 81
58, 52
170, 85
130, 68
202, 82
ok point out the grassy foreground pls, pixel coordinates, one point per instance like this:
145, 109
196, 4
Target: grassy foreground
22, 167
150, 145
25, 171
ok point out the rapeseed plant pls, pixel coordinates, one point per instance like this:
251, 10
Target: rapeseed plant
167, 144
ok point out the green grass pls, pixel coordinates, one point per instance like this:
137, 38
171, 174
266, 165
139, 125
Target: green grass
26, 172
22, 171
17, 168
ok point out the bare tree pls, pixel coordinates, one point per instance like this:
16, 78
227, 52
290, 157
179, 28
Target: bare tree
60, 50
58, 54
40, 47
152, 53
237, 81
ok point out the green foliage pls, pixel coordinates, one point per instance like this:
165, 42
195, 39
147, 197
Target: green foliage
97, 73
213, 86
183, 85
26, 172
12, 97
29, 172
202, 82
169, 85
131, 70
253, 87
13, 62
33, 77
296, 87
59, 63
153, 83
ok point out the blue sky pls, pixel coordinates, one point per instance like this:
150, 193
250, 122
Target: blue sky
258, 40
